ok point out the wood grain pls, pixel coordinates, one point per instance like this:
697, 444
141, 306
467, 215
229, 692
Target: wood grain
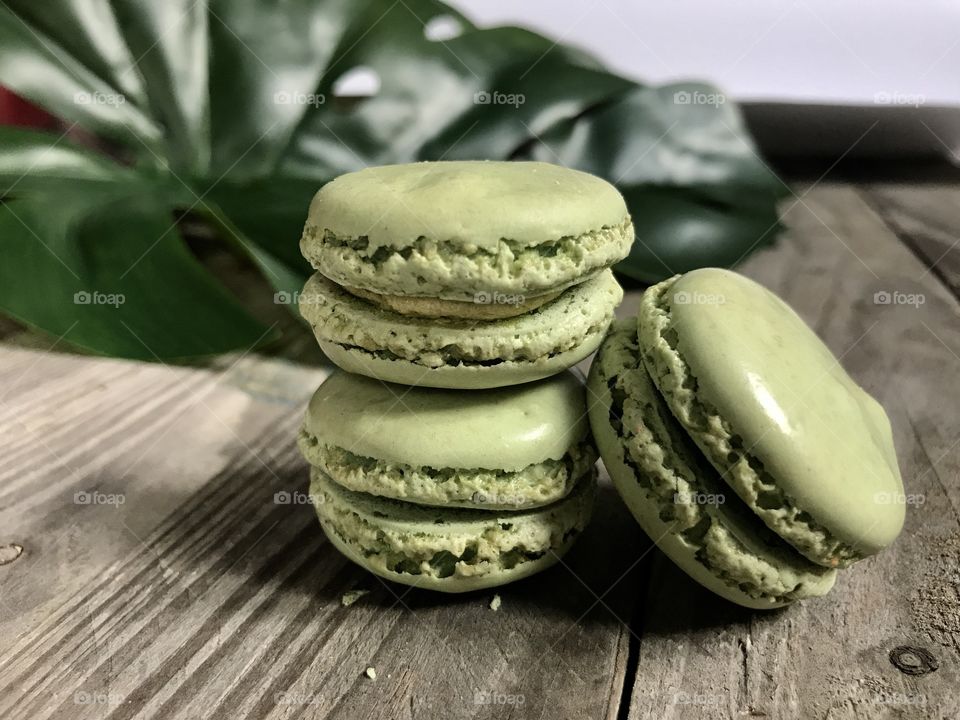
927, 219
201, 595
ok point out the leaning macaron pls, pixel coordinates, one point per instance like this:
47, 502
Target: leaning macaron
809, 452
485, 268
448, 549
493, 449
678, 498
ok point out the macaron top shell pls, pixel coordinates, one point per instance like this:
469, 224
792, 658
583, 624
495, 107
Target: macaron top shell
823, 440
472, 204
503, 429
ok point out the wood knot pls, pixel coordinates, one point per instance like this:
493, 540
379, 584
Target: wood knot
913, 660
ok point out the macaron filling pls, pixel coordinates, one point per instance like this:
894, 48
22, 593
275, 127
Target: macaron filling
574, 321
454, 271
485, 306
721, 443
538, 484
682, 491
448, 546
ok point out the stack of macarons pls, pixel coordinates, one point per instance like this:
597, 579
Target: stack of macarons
453, 450
740, 444
463, 275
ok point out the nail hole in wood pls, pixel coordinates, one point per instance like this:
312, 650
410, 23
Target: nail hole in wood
913, 660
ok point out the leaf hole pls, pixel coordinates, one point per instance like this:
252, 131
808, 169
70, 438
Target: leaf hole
359, 82
442, 28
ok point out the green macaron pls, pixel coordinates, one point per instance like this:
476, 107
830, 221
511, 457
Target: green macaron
495, 273
806, 449
466, 354
678, 498
498, 449
446, 549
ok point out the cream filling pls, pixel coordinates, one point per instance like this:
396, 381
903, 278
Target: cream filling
485, 306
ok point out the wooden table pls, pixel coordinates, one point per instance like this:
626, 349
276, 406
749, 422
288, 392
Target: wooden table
183, 590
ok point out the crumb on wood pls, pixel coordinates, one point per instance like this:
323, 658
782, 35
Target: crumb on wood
9, 553
495, 603
371, 672
351, 596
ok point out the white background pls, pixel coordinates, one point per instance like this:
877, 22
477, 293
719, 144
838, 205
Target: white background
838, 51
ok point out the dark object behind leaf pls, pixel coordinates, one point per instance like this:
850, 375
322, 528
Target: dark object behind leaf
227, 110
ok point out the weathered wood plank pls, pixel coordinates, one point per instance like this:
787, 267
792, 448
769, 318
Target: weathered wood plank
200, 596
830, 658
927, 219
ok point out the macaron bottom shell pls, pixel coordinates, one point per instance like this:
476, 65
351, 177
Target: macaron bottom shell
456, 377
449, 550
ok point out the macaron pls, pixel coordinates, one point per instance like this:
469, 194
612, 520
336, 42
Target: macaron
496, 449
678, 498
808, 451
448, 549
466, 354
469, 274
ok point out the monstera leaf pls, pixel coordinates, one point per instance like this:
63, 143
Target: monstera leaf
229, 113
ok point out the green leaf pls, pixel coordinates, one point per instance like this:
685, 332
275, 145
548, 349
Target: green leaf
34, 160
526, 92
680, 230
267, 58
169, 43
111, 274
228, 112
698, 191
255, 236
35, 64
